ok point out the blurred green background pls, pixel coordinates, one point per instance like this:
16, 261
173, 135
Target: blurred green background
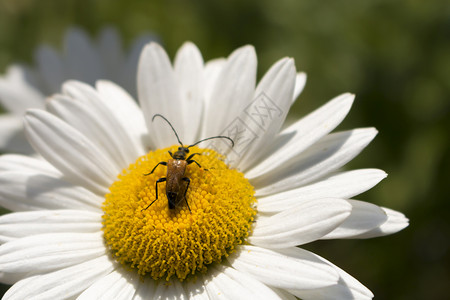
394, 55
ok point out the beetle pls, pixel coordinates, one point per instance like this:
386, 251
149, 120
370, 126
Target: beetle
176, 167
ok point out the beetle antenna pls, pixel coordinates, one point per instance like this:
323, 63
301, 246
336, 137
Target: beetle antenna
158, 115
214, 137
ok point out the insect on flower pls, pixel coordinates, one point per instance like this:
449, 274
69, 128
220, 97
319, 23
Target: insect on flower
176, 167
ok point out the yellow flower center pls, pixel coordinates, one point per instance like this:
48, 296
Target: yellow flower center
164, 242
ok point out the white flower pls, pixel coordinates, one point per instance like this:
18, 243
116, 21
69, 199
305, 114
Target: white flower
54, 243
23, 87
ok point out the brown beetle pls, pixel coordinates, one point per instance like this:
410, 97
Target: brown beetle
176, 168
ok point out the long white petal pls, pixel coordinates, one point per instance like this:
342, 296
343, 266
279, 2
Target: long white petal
39, 254
24, 191
159, 93
126, 111
117, 285
282, 271
128, 71
213, 68
51, 67
195, 289
111, 53
23, 163
291, 142
237, 285
343, 185
108, 112
188, 65
171, 290
17, 92
254, 288
300, 224
213, 291
12, 138
97, 122
232, 92
363, 218
22, 224
145, 289
346, 288
300, 81
283, 294
262, 118
69, 151
62, 284
328, 154
82, 60
395, 222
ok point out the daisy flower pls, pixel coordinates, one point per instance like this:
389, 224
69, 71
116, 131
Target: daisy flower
85, 223
23, 87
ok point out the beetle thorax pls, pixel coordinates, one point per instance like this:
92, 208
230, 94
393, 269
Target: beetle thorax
181, 153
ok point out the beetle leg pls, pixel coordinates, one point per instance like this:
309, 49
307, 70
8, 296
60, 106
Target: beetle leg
160, 163
193, 161
171, 155
192, 155
188, 182
162, 179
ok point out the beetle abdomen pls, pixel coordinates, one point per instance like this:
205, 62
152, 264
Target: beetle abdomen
172, 197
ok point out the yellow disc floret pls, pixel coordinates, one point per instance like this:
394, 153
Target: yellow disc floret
163, 242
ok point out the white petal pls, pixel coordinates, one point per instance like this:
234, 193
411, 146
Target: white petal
107, 108
51, 68
12, 138
61, 284
328, 154
262, 118
96, 121
213, 68
42, 253
363, 218
195, 289
126, 111
69, 151
145, 289
17, 162
396, 221
82, 60
17, 93
128, 72
300, 224
10, 278
283, 271
117, 285
283, 294
171, 290
22, 224
111, 53
302, 134
159, 93
269, 108
232, 92
188, 67
213, 291
300, 81
23, 191
346, 288
237, 285
343, 185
